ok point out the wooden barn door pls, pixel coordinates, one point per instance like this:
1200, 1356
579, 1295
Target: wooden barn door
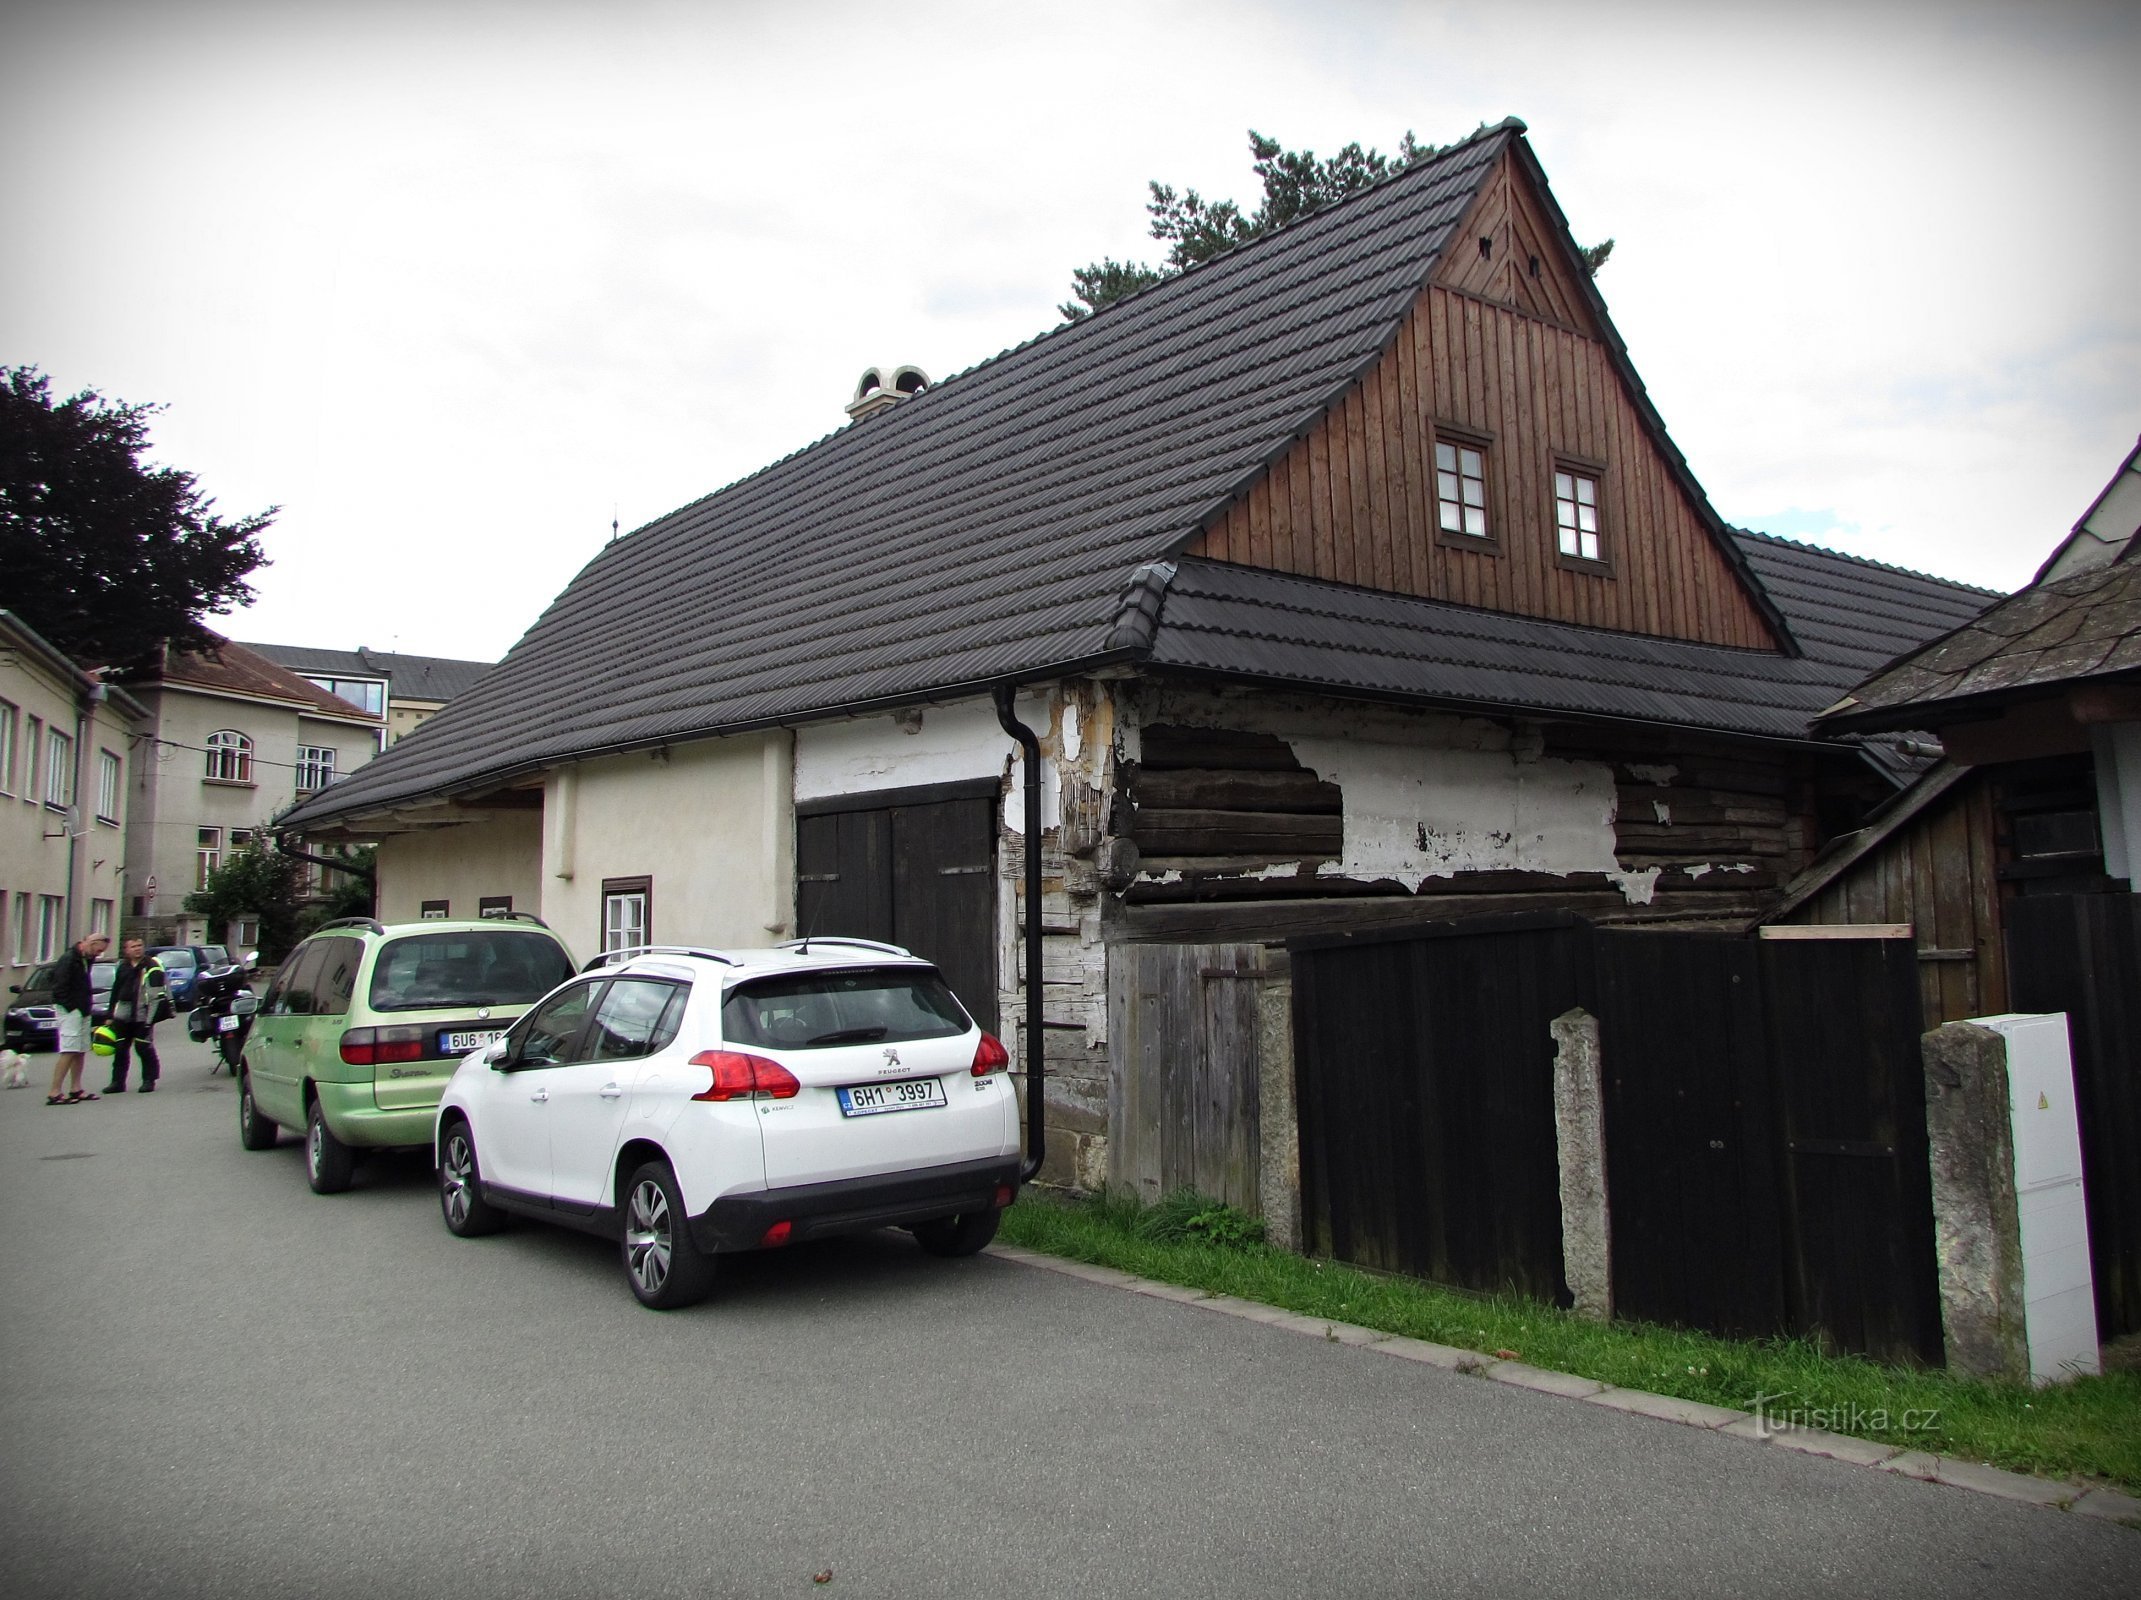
915, 868
1185, 1111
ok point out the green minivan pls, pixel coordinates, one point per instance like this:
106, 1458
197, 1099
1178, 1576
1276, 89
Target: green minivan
365, 1022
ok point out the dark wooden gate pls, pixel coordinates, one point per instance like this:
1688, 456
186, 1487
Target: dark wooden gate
1425, 1093
914, 867
1765, 1121
2081, 954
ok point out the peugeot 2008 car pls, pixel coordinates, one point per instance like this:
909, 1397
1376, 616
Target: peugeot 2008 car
692, 1103
365, 1023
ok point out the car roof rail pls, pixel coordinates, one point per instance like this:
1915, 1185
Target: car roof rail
507, 914
628, 952
846, 941
369, 924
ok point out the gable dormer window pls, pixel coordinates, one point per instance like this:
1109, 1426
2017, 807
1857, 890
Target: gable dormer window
1576, 530
1461, 488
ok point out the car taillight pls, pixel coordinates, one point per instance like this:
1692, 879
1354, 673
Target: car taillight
379, 1047
990, 1056
1005, 1194
741, 1077
777, 1235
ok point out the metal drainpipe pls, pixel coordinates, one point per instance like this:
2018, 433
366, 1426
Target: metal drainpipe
1036, 1098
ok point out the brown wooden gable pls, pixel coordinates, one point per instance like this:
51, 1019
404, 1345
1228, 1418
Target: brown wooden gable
1509, 250
1353, 500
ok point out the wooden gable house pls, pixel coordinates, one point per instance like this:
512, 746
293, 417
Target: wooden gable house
1348, 577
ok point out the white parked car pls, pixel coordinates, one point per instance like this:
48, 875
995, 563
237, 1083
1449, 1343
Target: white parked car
689, 1103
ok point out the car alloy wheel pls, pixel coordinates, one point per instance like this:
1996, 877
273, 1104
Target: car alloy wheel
457, 1177
648, 1241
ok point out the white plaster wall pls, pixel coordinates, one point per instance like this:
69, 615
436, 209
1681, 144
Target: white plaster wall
930, 744
1431, 796
712, 823
35, 842
461, 866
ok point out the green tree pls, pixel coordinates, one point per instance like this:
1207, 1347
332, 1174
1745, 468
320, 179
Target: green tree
101, 552
1295, 183
258, 882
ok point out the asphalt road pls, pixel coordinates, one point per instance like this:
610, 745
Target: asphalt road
219, 1384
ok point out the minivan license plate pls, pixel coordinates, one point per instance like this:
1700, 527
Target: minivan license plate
459, 1044
872, 1099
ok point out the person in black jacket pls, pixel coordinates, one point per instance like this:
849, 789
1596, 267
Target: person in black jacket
137, 999
71, 994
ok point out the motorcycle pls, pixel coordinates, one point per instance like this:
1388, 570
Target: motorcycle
223, 1009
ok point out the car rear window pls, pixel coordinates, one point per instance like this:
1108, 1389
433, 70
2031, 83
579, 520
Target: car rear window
216, 954
481, 967
824, 1010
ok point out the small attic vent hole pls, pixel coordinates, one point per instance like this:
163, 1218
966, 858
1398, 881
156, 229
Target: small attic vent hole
1486, 248
1534, 266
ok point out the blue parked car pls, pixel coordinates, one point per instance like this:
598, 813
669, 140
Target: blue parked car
183, 965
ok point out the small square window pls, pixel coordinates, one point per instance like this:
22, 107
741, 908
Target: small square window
1461, 488
1576, 514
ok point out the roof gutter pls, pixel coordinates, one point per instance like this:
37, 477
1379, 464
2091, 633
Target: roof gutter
1031, 1028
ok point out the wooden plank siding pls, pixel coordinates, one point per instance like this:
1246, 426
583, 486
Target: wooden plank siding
1493, 351
1937, 874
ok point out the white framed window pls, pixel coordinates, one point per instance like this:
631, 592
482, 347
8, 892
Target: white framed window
9, 712
435, 910
241, 839
247, 930
626, 907
32, 748
59, 769
315, 767
100, 917
1576, 513
108, 787
230, 757
1461, 488
51, 926
22, 929
207, 854
368, 695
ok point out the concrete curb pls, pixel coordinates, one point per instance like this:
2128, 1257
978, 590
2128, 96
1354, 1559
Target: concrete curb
2105, 1504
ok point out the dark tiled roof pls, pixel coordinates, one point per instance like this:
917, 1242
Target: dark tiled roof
1853, 614
236, 669
981, 529
413, 677
1245, 622
2050, 635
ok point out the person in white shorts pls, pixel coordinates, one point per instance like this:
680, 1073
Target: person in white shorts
71, 995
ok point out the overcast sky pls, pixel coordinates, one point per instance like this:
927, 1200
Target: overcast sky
456, 283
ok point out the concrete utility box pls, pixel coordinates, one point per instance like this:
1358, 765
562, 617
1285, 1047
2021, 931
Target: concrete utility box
2058, 1288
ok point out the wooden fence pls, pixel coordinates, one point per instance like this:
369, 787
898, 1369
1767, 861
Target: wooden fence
1766, 1155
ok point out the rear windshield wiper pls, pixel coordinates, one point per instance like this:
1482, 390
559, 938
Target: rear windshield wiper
850, 1036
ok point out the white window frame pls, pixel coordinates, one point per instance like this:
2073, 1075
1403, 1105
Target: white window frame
207, 854
229, 758
1571, 536
315, 767
23, 914
1460, 507
34, 748
624, 918
108, 782
51, 926
100, 917
59, 769
10, 714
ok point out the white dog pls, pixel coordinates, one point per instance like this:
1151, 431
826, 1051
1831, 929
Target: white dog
14, 1070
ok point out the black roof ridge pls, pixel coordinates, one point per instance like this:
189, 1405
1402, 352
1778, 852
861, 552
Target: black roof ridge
1516, 617
1866, 561
1512, 125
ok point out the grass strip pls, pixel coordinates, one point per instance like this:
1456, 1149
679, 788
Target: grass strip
2088, 1431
